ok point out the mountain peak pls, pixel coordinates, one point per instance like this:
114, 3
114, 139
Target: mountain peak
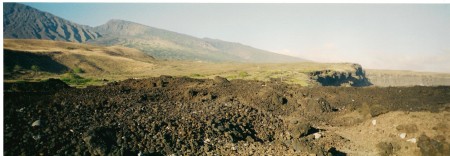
119, 22
22, 21
118, 26
13, 5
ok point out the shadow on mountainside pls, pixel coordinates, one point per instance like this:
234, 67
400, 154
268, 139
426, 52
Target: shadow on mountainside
25, 60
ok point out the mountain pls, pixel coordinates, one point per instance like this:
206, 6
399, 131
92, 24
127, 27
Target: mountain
24, 22
171, 45
156, 42
249, 54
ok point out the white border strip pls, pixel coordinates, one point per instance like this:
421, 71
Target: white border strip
241, 1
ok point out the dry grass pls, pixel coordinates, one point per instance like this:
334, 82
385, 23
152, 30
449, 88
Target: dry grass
119, 63
96, 60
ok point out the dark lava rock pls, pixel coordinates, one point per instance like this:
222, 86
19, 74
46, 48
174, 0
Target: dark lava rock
220, 80
101, 141
279, 100
184, 116
407, 128
376, 110
387, 148
50, 85
302, 129
319, 106
430, 146
305, 147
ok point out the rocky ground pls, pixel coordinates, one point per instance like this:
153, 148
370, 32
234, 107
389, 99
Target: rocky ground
183, 116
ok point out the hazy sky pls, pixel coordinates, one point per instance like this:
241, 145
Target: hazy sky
377, 36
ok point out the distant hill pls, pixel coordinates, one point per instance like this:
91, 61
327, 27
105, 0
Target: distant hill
24, 22
250, 54
171, 45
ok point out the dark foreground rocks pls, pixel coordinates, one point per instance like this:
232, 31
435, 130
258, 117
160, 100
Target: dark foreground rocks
184, 116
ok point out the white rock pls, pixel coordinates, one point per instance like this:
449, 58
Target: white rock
402, 135
206, 141
317, 135
20, 110
36, 123
374, 122
233, 148
413, 140
36, 137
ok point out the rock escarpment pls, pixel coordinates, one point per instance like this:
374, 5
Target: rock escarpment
355, 77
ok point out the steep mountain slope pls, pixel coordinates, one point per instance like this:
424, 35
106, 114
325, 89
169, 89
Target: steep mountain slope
21, 21
171, 45
24, 22
156, 42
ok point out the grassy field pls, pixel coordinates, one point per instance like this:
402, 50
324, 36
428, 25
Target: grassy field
293, 73
84, 64
100, 63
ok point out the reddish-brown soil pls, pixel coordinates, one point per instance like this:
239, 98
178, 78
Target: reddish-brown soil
184, 116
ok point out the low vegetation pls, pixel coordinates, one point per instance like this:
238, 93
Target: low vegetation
78, 70
17, 68
75, 79
243, 74
93, 63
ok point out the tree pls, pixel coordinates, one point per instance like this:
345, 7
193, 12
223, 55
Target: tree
35, 69
17, 68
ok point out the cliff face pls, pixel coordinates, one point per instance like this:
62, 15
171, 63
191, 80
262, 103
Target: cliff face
355, 77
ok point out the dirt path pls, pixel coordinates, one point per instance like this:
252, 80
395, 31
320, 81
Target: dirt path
183, 116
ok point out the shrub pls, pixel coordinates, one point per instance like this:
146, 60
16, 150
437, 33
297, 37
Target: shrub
78, 70
243, 74
17, 68
74, 79
35, 68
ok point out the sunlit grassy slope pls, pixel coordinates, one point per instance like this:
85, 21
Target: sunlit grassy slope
96, 63
117, 63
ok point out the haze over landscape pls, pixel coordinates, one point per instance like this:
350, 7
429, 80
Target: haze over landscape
377, 36
114, 79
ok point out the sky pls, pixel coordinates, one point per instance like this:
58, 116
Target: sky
377, 36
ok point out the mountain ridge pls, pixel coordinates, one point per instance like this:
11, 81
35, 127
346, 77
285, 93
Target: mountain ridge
159, 42
24, 22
